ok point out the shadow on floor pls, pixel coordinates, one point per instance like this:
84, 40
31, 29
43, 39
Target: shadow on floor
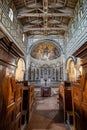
56, 115
46, 115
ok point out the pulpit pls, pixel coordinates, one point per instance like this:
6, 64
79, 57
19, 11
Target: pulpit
45, 91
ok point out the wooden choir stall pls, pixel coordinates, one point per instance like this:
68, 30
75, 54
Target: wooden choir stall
11, 111
80, 92
28, 100
73, 96
16, 98
11, 93
65, 101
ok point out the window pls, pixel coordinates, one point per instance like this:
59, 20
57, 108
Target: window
23, 37
11, 14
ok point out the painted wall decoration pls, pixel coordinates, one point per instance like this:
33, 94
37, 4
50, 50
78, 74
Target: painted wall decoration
45, 51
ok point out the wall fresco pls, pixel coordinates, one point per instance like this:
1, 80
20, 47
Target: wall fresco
45, 51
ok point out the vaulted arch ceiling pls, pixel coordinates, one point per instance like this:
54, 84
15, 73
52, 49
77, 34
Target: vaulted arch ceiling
45, 17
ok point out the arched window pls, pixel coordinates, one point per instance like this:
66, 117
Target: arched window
23, 38
11, 14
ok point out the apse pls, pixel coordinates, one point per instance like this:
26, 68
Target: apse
45, 51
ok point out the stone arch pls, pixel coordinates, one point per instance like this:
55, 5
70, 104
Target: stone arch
20, 70
70, 69
46, 40
45, 65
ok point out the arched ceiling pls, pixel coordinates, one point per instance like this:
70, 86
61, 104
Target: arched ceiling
45, 17
45, 51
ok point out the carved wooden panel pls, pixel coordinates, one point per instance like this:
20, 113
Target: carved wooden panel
11, 97
80, 111
9, 112
18, 107
85, 90
18, 123
68, 99
78, 116
84, 117
19, 91
10, 116
77, 93
6, 56
31, 100
61, 92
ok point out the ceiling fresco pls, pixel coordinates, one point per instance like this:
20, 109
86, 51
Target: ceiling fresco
45, 51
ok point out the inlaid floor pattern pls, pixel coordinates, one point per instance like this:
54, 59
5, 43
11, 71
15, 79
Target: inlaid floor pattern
46, 114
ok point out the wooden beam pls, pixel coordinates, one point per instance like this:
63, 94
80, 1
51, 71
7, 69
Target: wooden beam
25, 10
42, 29
66, 10
47, 35
56, 5
65, 3
45, 8
43, 15
34, 5
40, 10
63, 26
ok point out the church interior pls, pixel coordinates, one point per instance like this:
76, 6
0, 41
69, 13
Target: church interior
43, 64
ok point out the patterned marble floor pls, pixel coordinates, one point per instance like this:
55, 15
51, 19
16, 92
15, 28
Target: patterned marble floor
46, 114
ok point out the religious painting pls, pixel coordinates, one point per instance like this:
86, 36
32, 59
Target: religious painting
45, 51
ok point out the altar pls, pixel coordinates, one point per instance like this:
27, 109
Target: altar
45, 91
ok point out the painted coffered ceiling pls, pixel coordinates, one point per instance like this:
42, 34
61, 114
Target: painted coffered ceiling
45, 17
